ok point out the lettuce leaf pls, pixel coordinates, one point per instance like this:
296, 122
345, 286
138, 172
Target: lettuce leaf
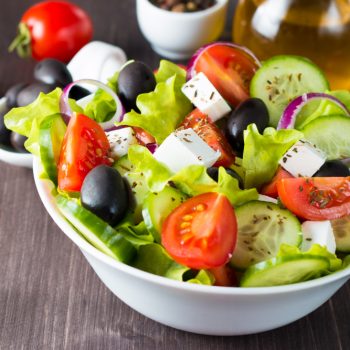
21, 119
164, 108
102, 107
154, 259
317, 250
263, 152
157, 175
192, 180
325, 107
137, 235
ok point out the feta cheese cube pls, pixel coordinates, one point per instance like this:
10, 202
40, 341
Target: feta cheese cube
183, 148
264, 198
319, 232
120, 140
303, 159
202, 93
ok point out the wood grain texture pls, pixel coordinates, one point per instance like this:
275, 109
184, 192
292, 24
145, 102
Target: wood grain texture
49, 296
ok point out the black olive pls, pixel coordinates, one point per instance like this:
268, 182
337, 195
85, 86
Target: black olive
78, 92
134, 79
105, 193
213, 172
12, 93
253, 110
333, 168
5, 134
17, 142
52, 72
29, 94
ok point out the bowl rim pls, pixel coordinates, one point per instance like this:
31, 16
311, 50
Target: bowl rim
15, 158
45, 187
186, 15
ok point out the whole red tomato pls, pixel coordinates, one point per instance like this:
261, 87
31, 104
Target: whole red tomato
53, 29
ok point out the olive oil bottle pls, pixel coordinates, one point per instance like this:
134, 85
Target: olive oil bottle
317, 29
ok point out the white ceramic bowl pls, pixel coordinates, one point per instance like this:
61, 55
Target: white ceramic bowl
196, 308
16, 158
178, 35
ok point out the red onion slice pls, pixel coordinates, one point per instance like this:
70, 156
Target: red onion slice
152, 147
291, 112
191, 71
67, 112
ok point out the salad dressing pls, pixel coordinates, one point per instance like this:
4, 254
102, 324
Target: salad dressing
317, 29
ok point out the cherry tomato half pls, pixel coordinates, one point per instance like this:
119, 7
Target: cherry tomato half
229, 69
85, 145
201, 233
317, 198
211, 134
270, 189
57, 29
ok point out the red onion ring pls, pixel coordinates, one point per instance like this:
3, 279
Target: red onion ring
291, 112
152, 147
191, 71
67, 112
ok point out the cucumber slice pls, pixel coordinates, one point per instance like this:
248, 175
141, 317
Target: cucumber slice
283, 78
341, 231
96, 231
137, 184
285, 270
158, 206
330, 134
123, 165
262, 228
51, 134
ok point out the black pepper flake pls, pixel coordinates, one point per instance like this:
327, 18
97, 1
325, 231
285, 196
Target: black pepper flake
308, 239
289, 155
187, 140
134, 184
269, 207
269, 82
212, 95
299, 76
295, 150
173, 199
285, 159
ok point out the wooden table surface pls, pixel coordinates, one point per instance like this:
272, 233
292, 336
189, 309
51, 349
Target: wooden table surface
49, 296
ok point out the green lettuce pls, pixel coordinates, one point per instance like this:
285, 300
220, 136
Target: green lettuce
156, 174
335, 264
27, 120
154, 259
263, 152
102, 107
325, 108
163, 109
21, 119
137, 235
192, 180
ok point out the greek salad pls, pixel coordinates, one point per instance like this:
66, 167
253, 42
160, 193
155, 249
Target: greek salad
230, 172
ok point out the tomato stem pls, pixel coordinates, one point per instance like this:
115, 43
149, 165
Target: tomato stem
22, 42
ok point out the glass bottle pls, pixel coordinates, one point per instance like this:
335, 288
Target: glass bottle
317, 29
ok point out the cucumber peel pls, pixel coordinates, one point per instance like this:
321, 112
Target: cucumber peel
96, 231
262, 228
330, 134
285, 270
283, 78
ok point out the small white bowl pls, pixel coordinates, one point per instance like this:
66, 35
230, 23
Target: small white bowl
178, 35
12, 157
197, 308
16, 158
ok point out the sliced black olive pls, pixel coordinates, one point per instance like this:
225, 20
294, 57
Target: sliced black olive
333, 168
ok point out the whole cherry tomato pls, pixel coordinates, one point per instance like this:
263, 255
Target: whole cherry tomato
52, 29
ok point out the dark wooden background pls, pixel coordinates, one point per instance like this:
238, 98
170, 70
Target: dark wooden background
49, 296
